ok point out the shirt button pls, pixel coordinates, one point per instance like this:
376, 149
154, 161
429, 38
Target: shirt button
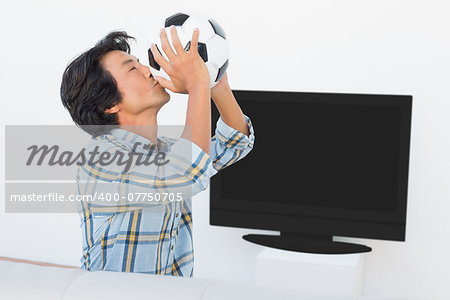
171, 247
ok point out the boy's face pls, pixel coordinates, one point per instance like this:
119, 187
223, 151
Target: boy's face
136, 83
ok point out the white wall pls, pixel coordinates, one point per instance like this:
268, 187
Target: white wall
398, 47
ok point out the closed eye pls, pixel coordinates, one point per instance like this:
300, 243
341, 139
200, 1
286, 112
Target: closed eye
132, 68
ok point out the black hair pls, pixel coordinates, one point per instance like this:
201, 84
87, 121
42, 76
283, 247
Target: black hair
87, 89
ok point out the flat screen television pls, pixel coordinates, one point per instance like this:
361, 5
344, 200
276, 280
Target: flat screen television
322, 165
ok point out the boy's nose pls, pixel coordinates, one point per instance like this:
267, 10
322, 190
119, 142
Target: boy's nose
147, 72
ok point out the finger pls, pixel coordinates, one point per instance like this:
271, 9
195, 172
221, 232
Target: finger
194, 41
159, 58
166, 46
176, 40
167, 84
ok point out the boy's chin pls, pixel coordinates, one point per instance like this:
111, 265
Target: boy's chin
166, 97
163, 100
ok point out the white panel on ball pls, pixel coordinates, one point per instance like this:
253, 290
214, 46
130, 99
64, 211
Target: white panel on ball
200, 22
218, 58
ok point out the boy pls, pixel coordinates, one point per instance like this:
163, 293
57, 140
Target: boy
107, 86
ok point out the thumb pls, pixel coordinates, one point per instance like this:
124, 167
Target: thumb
164, 82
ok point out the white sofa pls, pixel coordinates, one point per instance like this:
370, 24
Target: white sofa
20, 280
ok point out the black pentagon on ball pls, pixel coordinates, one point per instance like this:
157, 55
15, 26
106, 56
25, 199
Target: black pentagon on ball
201, 50
152, 60
222, 71
217, 28
176, 20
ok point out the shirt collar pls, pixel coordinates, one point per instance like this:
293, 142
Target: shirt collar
137, 143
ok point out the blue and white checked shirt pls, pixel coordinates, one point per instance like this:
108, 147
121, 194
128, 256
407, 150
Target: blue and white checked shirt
153, 239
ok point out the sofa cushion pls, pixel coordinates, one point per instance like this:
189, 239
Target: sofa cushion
28, 281
117, 285
224, 290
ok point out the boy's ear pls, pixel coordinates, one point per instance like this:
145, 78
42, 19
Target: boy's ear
113, 109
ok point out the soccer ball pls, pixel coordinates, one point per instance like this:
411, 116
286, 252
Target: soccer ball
213, 46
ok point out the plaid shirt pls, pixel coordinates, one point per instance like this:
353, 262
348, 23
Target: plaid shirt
149, 238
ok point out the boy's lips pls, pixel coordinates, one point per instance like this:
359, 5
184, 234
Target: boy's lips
156, 82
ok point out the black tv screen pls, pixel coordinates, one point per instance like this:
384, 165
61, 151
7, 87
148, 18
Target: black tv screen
322, 163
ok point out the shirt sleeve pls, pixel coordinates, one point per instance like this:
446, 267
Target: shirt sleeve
229, 145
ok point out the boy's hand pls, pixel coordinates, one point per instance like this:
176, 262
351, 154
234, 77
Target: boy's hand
187, 70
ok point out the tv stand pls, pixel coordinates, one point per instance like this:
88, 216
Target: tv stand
309, 243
